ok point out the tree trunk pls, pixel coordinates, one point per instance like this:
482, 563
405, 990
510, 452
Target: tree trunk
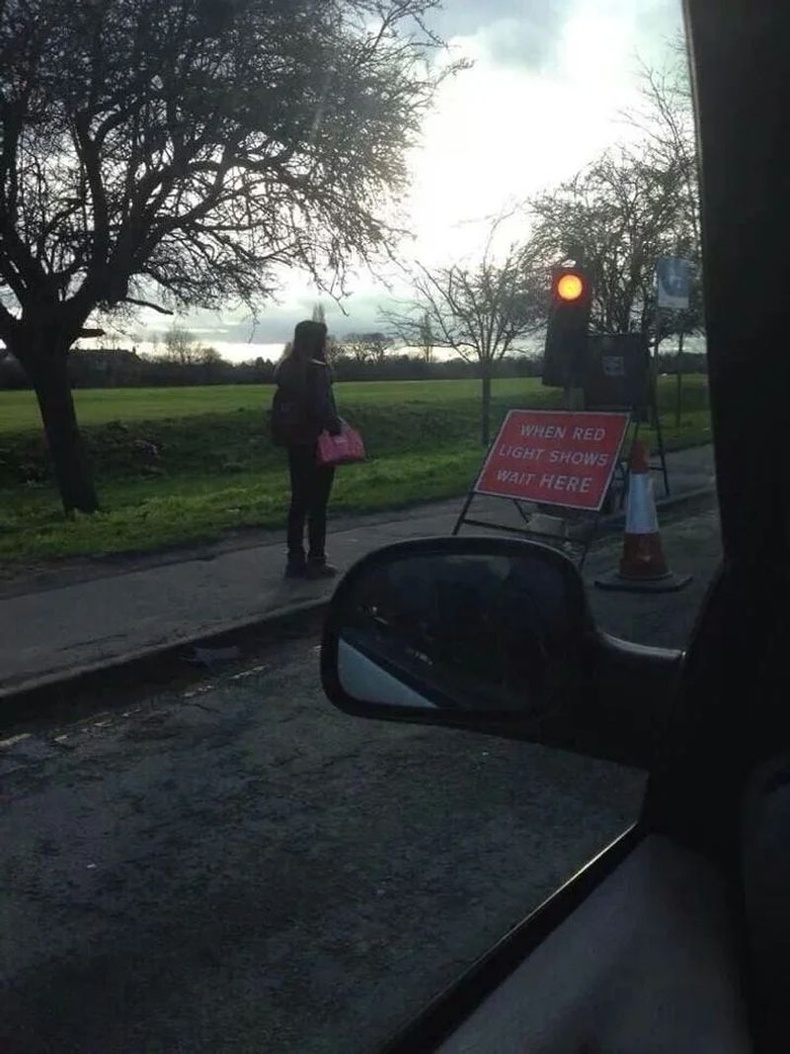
485, 407
48, 373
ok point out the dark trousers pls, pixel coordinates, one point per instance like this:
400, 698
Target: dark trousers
311, 485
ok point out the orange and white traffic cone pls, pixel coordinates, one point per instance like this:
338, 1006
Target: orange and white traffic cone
643, 566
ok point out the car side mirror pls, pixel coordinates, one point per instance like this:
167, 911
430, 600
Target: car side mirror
492, 635
473, 632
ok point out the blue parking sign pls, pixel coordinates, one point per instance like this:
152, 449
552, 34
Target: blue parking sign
673, 280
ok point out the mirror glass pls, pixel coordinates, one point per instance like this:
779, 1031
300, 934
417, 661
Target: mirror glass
471, 631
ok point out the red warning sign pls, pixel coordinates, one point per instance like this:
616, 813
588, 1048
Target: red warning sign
554, 457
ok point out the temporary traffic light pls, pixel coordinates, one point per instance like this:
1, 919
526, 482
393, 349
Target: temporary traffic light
566, 333
570, 286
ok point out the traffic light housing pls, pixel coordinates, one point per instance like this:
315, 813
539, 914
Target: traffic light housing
566, 333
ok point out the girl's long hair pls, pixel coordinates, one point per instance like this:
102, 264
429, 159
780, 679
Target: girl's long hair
287, 352
310, 340
309, 343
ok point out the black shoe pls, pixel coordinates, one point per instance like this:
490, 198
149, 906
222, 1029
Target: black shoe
296, 570
315, 570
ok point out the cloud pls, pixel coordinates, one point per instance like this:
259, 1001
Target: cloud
276, 322
530, 42
504, 32
512, 34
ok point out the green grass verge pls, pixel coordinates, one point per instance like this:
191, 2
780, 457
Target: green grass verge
172, 479
145, 516
19, 411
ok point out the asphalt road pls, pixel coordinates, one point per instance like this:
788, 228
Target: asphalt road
238, 867
246, 869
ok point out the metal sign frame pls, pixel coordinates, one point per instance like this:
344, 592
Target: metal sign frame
641, 411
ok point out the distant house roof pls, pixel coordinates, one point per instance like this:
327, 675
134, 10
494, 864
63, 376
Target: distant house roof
111, 355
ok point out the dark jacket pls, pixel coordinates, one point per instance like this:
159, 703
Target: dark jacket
303, 404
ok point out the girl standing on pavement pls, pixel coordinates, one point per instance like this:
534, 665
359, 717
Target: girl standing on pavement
303, 407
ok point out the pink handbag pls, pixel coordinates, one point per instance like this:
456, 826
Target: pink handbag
341, 449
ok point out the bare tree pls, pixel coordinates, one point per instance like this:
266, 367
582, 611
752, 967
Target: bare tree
366, 347
177, 152
181, 347
349, 348
112, 339
630, 207
618, 216
665, 119
426, 337
669, 141
480, 310
413, 329
209, 356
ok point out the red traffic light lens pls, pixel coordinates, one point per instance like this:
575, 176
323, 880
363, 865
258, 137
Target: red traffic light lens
569, 286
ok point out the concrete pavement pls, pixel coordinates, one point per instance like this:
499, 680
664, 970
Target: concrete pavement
89, 615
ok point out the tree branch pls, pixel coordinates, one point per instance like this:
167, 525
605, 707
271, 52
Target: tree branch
147, 303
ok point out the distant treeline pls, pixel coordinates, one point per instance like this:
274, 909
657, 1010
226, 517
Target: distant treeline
692, 363
111, 368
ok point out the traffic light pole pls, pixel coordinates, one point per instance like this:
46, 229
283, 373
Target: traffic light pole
566, 350
572, 396
662, 453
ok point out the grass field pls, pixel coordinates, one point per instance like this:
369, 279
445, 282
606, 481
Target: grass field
187, 464
19, 412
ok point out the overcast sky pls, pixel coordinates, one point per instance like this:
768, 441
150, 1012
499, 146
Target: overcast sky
544, 97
